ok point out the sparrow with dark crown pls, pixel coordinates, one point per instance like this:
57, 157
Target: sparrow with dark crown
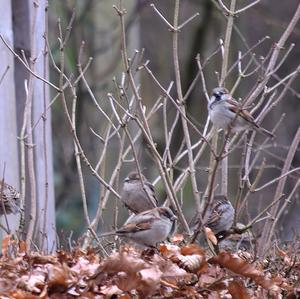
220, 215
222, 109
138, 196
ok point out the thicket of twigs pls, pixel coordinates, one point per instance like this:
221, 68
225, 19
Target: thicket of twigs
127, 129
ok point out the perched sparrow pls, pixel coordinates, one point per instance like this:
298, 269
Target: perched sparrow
136, 197
9, 199
221, 214
147, 228
222, 109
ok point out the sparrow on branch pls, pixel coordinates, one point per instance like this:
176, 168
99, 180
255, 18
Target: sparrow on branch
138, 194
9, 199
220, 215
147, 228
226, 113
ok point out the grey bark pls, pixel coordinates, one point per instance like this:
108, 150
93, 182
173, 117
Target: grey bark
9, 164
24, 31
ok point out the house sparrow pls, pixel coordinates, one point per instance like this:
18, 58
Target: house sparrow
147, 228
220, 215
222, 109
136, 197
9, 199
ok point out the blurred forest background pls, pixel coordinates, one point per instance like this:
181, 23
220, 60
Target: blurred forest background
97, 24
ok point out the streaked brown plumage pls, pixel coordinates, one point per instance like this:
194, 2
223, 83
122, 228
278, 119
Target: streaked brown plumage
9, 199
148, 227
220, 215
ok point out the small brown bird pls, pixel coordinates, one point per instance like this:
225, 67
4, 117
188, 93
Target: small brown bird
136, 197
220, 215
9, 199
147, 228
222, 109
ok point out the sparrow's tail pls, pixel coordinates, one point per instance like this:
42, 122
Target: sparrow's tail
107, 234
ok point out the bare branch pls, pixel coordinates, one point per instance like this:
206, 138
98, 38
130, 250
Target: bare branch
162, 17
247, 7
188, 20
268, 228
25, 65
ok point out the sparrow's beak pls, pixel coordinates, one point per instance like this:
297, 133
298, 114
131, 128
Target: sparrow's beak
174, 217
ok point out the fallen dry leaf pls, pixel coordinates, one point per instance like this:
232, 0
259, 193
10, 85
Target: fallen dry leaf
34, 281
39, 259
239, 266
177, 238
237, 290
5, 244
210, 235
110, 291
176, 272
60, 278
127, 267
85, 267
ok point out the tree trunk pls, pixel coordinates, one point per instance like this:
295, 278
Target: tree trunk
30, 26
9, 163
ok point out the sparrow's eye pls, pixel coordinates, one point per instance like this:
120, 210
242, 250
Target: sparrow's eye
168, 213
218, 95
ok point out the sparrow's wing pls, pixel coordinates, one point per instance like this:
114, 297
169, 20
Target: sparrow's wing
235, 108
220, 197
214, 216
148, 214
134, 227
130, 208
10, 198
152, 193
151, 187
216, 209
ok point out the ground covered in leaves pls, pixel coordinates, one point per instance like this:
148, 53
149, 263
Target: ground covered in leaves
173, 271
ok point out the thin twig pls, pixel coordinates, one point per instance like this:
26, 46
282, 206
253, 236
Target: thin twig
188, 20
285, 174
182, 107
247, 7
31, 71
45, 139
268, 228
30, 152
224, 176
273, 60
79, 168
4, 74
161, 16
